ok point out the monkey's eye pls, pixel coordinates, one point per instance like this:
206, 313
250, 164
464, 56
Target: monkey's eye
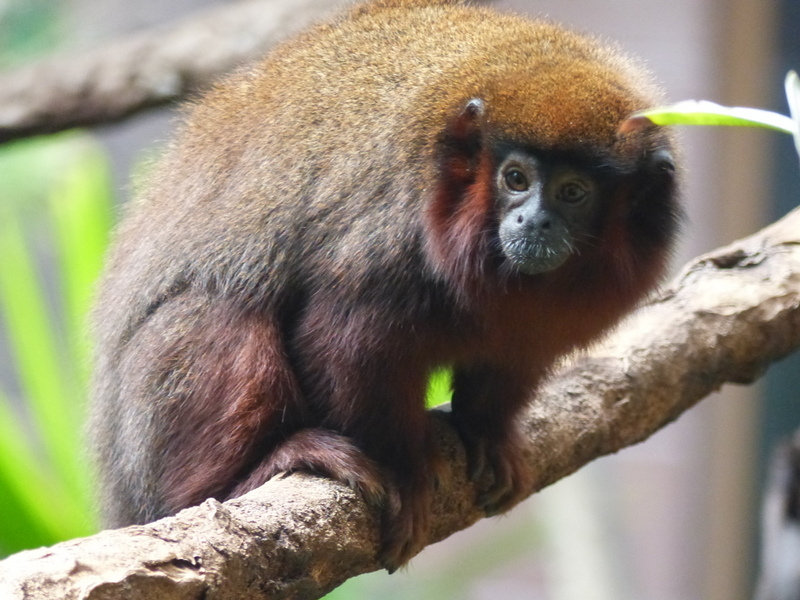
572, 192
516, 180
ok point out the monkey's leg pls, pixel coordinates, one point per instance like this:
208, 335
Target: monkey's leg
379, 431
204, 390
485, 402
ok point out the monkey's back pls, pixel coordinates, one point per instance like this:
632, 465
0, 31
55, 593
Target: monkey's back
266, 162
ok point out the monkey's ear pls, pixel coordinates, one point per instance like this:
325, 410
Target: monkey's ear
634, 124
461, 143
461, 208
465, 128
468, 123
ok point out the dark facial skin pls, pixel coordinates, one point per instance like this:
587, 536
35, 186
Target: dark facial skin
543, 210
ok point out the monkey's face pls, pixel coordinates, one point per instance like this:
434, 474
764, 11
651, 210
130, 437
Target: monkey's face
544, 211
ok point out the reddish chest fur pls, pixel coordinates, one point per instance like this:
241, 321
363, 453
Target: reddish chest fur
527, 329
525, 323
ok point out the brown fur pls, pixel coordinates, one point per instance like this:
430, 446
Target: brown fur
322, 234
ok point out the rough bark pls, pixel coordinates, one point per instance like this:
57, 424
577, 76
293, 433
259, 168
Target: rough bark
725, 318
145, 70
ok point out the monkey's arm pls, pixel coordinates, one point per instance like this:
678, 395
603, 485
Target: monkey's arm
368, 386
201, 384
302, 536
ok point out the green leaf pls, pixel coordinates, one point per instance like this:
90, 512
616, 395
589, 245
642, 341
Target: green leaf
440, 387
34, 348
44, 479
21, 499
36, 509
702, 112
792, 85
81, 208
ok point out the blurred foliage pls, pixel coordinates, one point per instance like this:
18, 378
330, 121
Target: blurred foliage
27, 28
55, 215
440, 387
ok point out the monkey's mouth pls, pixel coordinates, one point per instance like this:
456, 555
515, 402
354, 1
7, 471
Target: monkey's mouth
533, 256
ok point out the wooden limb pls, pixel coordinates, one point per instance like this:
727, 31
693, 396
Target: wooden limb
145, 70
725, 318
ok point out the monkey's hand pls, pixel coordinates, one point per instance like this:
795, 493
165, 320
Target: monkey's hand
497, 467
407, 515
406, 525
495, 456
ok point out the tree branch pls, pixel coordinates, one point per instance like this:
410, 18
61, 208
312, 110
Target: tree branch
724, 319
145, 70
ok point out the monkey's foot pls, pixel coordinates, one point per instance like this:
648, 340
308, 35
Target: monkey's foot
498, 469
405, 507
322, 452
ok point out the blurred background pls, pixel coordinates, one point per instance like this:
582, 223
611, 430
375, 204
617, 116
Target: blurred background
673, 518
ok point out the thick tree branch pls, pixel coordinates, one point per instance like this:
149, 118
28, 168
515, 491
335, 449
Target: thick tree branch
145, 70
724, 319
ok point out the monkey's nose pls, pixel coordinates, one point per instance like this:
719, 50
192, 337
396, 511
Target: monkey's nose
662, 160
532, 221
